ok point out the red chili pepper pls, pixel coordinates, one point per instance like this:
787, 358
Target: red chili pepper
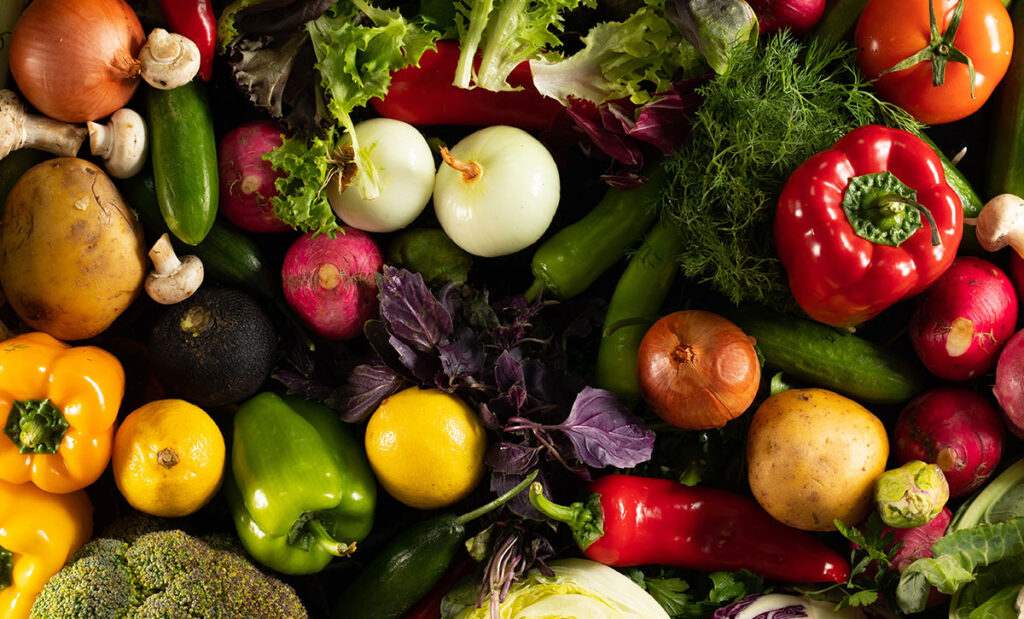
639, 521
425, 95
865, 224
429, 606
194, 19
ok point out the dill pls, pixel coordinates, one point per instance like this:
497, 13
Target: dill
782, 102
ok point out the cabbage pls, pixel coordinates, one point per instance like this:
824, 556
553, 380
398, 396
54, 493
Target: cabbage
581, 589
782, 606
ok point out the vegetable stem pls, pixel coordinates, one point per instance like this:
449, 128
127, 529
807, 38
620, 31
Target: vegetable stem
498, 502
470, 170
328, 543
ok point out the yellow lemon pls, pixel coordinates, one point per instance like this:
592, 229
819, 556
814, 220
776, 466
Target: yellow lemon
426, 447
168, 458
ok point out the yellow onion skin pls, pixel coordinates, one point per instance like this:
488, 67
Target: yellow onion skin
697, 370
75, 60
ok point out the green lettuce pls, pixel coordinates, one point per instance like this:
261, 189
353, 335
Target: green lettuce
635, 58
506, 33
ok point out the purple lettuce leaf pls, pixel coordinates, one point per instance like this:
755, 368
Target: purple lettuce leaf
603, 433
413, 313
367, 386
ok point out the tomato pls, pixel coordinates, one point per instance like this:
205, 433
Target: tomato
892, 31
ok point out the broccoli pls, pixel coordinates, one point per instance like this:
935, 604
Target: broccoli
164, 574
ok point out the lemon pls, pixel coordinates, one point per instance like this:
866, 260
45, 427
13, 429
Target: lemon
168, 458
426, 447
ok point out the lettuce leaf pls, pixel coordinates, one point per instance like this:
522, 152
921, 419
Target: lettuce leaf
958, 556
635, 58
506, 32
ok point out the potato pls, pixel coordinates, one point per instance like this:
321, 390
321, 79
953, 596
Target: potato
72, 256
813, 456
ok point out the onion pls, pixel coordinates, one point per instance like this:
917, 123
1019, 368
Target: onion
697, 370
75, 60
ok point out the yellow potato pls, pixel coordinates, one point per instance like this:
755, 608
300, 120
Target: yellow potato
72, 256
813, 456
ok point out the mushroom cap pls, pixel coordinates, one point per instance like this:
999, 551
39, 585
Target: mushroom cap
1001, 223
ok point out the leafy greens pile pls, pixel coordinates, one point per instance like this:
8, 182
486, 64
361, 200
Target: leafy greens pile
780, 103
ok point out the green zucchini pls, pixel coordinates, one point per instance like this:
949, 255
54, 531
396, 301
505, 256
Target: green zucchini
184, 155
1006, 152
830, 358
229, 255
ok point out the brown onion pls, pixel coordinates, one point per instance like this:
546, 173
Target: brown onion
75, 60
697, 370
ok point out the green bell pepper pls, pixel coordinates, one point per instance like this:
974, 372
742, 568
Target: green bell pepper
300, 490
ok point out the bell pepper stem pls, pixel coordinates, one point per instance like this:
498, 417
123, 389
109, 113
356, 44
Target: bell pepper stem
6, 568
585, 520
36, 426
498, 502
328, 543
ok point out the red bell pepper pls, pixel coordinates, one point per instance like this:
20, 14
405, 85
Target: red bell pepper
425, 95
632, 520
865, 224
194, 19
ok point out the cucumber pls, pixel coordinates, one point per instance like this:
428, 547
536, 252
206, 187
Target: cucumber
1006, 154
229, 255
837, 23
830, 358
969, 200
183, 150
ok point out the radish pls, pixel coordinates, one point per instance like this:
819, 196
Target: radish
331, 283
1009, 387
917, 541
797, 15
955, 428
246, 179
1017, 271
961, 322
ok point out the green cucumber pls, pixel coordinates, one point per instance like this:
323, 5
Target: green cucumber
229, 255
184, 155
830, 358
837, 23
969, 200
1006, 153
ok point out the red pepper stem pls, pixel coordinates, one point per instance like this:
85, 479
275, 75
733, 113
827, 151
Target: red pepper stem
470, 170
900, 203
328, 543
498, 502
585, 520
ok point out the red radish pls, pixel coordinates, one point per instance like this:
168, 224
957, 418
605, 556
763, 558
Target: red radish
1017, 271
797, 15
332, 283
961, 322
246, 179
1009, 388
917, 541
955, 428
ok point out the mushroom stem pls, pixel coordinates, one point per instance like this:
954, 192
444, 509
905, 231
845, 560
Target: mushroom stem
469, 169
165, 261
19, 129
1001, 223
168, 60
121, 143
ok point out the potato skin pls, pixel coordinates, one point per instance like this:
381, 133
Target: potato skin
72, 255
813, 456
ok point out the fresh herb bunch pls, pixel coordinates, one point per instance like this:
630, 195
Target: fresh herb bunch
781, 102
694, 596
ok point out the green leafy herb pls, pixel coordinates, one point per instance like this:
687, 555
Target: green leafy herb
779, 104
679, 598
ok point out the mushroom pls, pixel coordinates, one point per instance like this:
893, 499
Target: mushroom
172, 280
1001, 223
19, 129
121, 143
168, 60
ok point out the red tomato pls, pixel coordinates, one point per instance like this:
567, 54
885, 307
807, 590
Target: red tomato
890, 31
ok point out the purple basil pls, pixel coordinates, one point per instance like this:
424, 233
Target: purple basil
412, 312
604, 433
513, 458
366, 388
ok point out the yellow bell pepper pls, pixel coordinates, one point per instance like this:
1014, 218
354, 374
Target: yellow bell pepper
39, 532
58, 406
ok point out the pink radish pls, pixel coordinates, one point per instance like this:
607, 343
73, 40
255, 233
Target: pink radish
1009, 388
955, 428
332, 283
1016, 270
797, 15
961, 322
917, 541
246, 180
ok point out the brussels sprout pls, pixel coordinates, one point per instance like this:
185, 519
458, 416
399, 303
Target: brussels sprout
911, 495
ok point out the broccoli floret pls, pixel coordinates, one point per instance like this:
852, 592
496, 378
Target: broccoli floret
163, 574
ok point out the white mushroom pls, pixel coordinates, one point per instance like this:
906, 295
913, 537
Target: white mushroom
168, 60
19, 129
172, 280
121, 143
1001, 223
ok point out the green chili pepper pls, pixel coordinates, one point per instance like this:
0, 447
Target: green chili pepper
568, 262
300, 490
632, 309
